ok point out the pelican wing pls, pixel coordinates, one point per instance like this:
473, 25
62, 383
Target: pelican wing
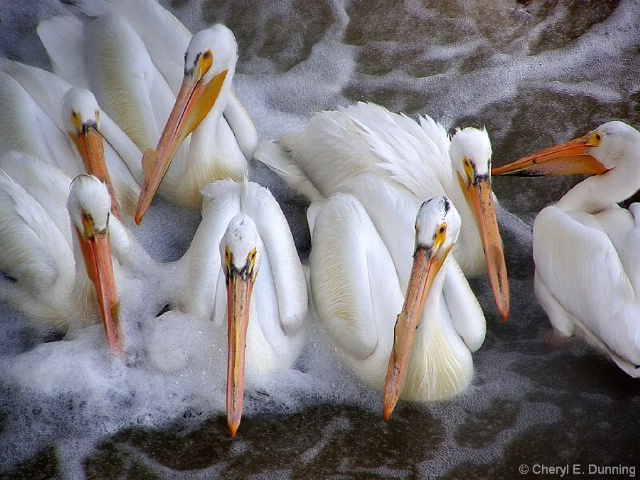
354, 281
286, 269
33, 250
62, 39
164, 36
579, 267
466, 313
125, 81
46, 183
25, 127
44, 87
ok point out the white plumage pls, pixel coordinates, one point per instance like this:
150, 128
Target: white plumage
238, 219
109, 56
360, 272
413, 157
44, 116
585, 247
45, 276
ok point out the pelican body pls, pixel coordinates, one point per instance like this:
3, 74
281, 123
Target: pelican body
46, 277
242, 266
362, 278
585, 247
414, 157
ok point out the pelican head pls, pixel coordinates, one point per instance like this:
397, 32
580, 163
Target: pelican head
81, 118
210, 60
89, 209
240, 262
594, 153
211, 52
470, 153
437, 228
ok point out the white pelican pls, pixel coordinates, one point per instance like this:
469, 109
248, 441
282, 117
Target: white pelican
46, 117
585, 247
242, 265
131, 89
412, 156
166, 40
43, 277
360, 268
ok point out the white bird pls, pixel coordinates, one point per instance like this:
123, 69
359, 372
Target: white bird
361, 274
242, 266
129, 87
413, 157
585, 247
46, 117
47, 278
166, 40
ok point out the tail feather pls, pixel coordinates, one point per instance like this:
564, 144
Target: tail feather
276, 158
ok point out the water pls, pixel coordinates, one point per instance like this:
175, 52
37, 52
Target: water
534, 73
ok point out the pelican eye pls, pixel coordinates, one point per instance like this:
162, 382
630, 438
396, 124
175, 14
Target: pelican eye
595, 139
469, 167
75, 121
439, 235
88, 224
251, 261
205, 61
228, 258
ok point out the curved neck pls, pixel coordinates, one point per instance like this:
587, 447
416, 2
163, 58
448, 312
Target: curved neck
597, 193
241, 125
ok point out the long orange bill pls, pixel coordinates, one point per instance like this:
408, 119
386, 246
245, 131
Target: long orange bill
566, 159
479, 194
89, 143
426, 265
239, 287
96, 251
193, 103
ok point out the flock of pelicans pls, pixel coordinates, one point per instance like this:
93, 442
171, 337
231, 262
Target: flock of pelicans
399, 213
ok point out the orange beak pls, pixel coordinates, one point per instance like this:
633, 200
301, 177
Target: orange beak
239, 288
96, 251
88, 142
426, 265
566, 159
479, 195
193, 103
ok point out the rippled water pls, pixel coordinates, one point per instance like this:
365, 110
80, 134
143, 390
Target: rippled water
535, 73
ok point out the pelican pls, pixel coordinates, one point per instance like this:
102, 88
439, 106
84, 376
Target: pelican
242, 266
47, 117
585, 247
166, 40
361, 275
42, 271
413, 157
131, 89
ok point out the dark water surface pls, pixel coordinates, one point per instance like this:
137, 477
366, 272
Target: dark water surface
535, 73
